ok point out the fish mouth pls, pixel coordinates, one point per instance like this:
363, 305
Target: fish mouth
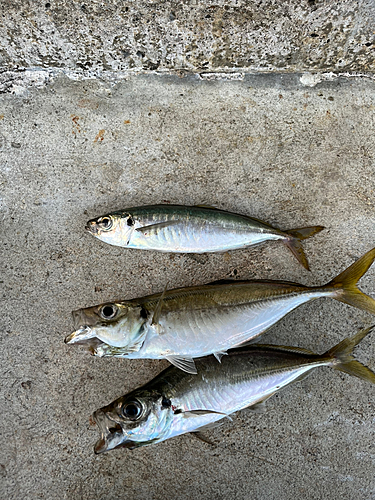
91, 227
80, 336
83, 330
112, 435
100, 446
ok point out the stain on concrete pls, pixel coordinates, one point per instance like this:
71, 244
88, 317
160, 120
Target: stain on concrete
99, 136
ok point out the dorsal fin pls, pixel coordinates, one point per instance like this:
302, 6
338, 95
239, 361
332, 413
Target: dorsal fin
252, 346
222, 282
246, 282
207, 206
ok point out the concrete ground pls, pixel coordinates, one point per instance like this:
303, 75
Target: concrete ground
264, 145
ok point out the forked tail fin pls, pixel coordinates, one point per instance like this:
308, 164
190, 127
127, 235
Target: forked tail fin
294, 242
344, 361
346, 284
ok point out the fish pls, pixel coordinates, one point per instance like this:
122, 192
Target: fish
176, 402
187, 323
192, 229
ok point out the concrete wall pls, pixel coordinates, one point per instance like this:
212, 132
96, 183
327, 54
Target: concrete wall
295, 35
292, 149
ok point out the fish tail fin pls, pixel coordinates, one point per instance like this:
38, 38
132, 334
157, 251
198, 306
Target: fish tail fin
342, 358
346, 284
293, 242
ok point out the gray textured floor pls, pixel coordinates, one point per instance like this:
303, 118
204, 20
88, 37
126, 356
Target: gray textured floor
265, 146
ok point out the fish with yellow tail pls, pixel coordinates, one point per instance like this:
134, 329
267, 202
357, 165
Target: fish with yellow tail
186, 323
176, 402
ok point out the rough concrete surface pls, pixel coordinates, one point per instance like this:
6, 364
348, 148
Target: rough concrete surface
265, 146
97, 36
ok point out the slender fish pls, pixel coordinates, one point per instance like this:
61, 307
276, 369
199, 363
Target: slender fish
176, 228
188, 323
176, 403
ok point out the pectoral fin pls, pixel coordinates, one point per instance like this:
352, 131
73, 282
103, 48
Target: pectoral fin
156, 315
156, 227
185, 364
199, 413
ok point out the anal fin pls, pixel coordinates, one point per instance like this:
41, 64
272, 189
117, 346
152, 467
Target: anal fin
302, 377
199, 435
212, 425
260, 406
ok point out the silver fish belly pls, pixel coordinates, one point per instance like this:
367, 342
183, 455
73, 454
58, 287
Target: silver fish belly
202, 331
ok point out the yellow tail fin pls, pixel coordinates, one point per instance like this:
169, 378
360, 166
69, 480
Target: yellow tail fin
343, 359
346, 284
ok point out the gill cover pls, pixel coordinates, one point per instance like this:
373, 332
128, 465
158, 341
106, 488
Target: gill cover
115, 229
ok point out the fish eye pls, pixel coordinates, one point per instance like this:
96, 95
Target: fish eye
132, 410
105, 223
130, 221
108, 311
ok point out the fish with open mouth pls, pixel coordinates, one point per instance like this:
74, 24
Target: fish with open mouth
177, 403
195, 229
186, 323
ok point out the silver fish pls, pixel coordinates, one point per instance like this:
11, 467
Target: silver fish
176, 403
199, 229
188, 323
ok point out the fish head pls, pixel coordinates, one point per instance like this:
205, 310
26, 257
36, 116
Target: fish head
118, 324
137, 419
115, 228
